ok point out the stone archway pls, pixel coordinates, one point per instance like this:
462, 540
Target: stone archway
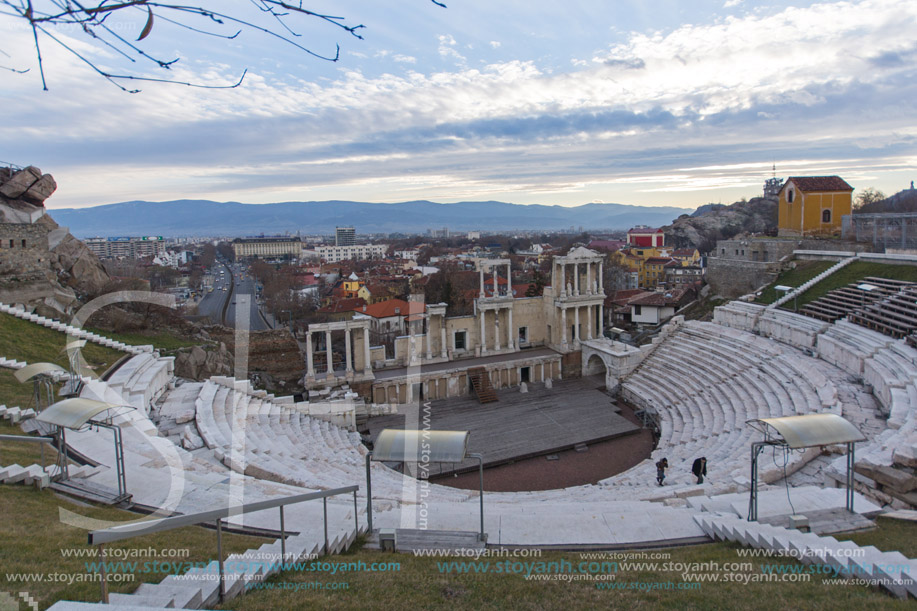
618, 359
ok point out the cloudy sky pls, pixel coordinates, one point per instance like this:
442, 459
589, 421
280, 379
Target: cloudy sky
654, 102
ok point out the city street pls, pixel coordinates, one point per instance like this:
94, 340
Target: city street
240, 294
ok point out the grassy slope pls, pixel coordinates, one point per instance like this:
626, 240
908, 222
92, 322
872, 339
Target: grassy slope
804, 271
30, 342
855, 272
164, 342
421, 584
33, 536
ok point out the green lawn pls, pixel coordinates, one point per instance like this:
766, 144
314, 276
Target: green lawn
891, 535
804, 271
426, 583
856, 272
33, 538
26, 341
164, 342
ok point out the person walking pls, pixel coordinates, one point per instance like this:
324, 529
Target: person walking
661, 466
699, 469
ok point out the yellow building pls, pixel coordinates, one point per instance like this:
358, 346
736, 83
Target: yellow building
353, 287
813, 205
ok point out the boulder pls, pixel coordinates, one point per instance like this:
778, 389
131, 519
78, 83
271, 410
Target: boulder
20, 182
198, 363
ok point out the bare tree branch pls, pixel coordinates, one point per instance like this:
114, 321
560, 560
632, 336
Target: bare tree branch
90, 19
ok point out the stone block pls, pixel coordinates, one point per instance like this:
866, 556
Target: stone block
20, 182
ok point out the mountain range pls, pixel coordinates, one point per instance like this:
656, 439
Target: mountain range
208, 218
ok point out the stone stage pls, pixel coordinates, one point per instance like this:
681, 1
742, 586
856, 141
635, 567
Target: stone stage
521, 425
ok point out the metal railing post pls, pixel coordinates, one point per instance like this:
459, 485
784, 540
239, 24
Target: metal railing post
283, 539
104, 581
220, 558
325, 511
369, 496
356, 518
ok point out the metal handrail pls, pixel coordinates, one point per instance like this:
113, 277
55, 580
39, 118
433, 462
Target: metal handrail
148, 527
41, 440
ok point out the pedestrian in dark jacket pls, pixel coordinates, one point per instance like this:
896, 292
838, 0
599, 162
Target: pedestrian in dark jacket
699, 469
661, 466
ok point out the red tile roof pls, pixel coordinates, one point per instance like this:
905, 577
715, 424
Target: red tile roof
808, 184
623, 296
645, 230
386, 309
607, 244
343, 305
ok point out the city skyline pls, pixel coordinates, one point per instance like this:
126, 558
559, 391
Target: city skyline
645, 103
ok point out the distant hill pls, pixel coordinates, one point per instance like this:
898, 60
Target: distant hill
718, 222
902, 201
204, 217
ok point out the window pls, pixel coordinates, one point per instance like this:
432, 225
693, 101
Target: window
723, 251
523, 335
525, 374
790, 195
23, 243
825, 216
637, 310
458, 340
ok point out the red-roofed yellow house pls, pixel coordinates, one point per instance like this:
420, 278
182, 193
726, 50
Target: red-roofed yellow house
813, 205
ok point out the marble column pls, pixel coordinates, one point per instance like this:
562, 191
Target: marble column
589, 314
563, 283
563, 327
310, 364
601, 276
427, 339
481, 291
348, 354
511, 332
576, 279
367, 364
601, 329
497, 329
493, 270
509, 280
576, 337
442, 336
483, 336
330, 372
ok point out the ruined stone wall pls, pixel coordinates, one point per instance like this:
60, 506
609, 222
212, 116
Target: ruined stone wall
733, 278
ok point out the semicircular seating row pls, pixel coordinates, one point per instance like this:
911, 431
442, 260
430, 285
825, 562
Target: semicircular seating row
257, 437
886, 364
705, 381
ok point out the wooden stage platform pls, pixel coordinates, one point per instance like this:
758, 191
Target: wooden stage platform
518, 426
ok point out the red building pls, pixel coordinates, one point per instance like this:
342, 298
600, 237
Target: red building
645, 236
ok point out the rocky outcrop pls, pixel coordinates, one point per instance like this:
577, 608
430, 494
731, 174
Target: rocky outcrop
75, 265
200, 363
41, 263
273, 354
714, 222
28, 185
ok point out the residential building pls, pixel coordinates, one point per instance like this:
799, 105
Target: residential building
267, 247
126, 247
678, 276
345, 236
352, 252
645, 236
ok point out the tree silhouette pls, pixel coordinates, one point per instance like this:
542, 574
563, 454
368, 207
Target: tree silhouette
227, 23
